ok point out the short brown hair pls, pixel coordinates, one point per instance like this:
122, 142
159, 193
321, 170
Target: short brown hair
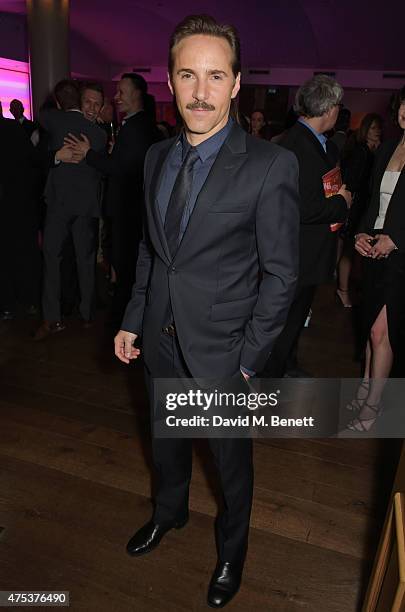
205, 24
67, 94
93, 86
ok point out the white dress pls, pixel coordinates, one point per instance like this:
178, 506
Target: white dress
388, 184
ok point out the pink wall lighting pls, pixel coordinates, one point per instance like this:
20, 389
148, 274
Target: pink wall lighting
14, 83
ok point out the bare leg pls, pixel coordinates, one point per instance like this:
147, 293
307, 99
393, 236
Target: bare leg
382, 357
340, 245
345, 266
365, 384
364, 387
367, 365
344, 269
379, 359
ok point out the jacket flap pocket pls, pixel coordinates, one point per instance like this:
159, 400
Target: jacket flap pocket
233, 310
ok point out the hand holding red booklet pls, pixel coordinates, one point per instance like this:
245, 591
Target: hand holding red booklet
332, 182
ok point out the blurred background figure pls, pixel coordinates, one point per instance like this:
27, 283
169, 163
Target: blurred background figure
107, 120
259, 126
317, 105
123, 168
166, 129
20, 263
73, 199
290, 120
357, 163
257, 123
91, 100
91, 103
30, 127
342, 128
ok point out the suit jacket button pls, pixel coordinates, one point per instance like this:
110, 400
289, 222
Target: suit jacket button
172, 270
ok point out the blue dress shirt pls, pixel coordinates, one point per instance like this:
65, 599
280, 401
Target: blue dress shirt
321, 137
207, 152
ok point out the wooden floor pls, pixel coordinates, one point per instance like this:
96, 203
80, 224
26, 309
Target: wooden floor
75, 485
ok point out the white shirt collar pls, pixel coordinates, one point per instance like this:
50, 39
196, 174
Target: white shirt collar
129, 116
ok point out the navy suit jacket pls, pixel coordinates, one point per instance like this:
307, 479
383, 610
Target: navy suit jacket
244, 227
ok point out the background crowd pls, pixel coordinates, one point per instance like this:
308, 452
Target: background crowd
71, 196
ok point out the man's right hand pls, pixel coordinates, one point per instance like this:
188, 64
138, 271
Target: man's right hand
67, 155
124, 346
80, 146
346, 194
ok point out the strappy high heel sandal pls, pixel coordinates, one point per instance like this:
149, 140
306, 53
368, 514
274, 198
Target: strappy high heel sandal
359, 423
357, 402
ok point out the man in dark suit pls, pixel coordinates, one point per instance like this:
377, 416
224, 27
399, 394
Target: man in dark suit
73, 198
20, 263
220, 206
317, 104
17, 110
124, 170
91, 103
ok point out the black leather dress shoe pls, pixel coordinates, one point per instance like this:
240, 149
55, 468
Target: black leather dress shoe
148, 537
224, 585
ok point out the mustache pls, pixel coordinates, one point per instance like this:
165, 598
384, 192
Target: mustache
200, 106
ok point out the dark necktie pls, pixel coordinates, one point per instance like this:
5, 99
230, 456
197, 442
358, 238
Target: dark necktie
179, 199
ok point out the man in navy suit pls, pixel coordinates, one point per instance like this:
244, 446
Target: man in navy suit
221, 206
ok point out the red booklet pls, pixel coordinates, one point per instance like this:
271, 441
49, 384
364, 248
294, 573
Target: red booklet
332, 182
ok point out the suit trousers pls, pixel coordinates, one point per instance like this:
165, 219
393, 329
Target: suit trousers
172, 459
288, 339
58, 225
20, 257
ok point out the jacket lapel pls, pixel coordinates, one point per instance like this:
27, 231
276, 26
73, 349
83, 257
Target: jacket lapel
228, 162
380, 166
383, 162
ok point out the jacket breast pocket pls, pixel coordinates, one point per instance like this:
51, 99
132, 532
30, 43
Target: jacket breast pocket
236, 309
